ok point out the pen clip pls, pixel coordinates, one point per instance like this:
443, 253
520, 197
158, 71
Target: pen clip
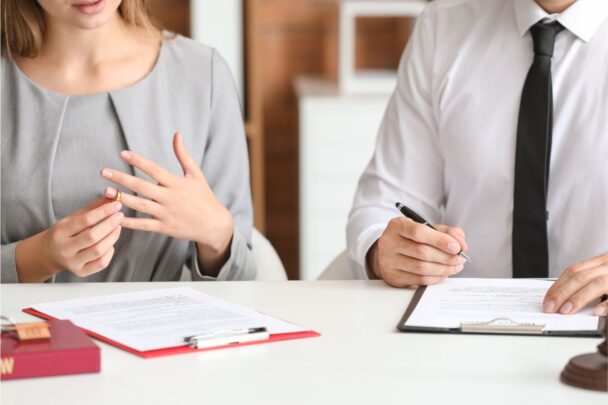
248, 336
227, 332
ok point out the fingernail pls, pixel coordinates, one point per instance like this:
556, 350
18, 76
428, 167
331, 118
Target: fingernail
454, 247
566, 308
550, 306
460, 267
106, 173
599, 311
117, 206
125, 154
461, 260
110, 192
119, 217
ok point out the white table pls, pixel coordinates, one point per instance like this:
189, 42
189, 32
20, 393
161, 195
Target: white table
359, 359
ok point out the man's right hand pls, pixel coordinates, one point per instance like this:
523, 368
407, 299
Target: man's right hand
82, 243
412, 254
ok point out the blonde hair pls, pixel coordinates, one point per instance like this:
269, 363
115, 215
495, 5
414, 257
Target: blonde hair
23, 25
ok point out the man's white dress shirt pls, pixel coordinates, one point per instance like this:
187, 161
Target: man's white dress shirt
446, 146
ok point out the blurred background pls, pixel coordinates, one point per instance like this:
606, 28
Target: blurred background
314, 78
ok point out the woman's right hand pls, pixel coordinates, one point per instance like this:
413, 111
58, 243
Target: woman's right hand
82, 243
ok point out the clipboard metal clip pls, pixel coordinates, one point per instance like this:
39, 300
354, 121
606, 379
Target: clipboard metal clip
227, 336
502, 325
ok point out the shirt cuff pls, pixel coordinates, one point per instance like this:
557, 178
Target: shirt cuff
239, 266
364, 243
8, 263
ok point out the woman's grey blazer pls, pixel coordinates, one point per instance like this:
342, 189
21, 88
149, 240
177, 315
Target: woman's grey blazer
190, 89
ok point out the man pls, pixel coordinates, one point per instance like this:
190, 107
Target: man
499, 126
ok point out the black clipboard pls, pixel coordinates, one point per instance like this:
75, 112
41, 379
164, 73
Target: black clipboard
490, 328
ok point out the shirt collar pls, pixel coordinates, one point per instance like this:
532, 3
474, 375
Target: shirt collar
583, 18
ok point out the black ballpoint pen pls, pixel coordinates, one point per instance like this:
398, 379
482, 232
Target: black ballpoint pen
413, 215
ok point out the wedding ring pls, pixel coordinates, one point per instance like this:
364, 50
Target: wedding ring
118, 196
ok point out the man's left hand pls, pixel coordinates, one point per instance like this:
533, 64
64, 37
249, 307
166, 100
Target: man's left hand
579, 285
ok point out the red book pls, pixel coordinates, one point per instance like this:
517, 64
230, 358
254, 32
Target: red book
68, 351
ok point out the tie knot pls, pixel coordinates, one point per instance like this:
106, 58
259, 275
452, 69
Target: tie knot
543, 35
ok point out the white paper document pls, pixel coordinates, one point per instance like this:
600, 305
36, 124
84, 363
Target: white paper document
159, 319
471, 300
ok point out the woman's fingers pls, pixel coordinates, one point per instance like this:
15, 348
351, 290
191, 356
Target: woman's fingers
91, 236
152, 169
97, 264
92, 206
100, 248
136, 203
142, 187
77, 223
186, 161
142, 224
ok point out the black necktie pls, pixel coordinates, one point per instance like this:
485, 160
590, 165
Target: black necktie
530, 245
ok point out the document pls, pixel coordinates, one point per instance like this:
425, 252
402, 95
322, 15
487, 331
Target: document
162, 318
460, 300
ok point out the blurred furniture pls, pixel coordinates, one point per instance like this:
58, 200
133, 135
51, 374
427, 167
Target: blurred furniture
219, 24
337, 138
171, 15
254, 110
267, 261
359, 359
369, 80
286, 39
341, 268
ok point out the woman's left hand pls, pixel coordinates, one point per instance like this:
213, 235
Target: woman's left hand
180, 207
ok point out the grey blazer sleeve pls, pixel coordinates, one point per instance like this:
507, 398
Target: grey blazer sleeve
226, 167
9, 266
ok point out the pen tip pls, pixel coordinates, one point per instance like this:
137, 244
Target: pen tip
465, 256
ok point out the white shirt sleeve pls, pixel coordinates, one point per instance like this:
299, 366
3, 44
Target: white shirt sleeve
407, 165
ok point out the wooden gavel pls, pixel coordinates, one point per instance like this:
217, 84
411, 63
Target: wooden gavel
590, 371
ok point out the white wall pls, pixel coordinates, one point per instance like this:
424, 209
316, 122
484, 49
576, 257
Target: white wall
219, 23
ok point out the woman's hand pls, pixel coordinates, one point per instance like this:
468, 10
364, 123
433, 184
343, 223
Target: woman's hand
180, 207
579, 285
82, 243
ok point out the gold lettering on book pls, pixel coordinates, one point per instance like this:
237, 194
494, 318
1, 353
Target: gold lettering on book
33, 330
7, 365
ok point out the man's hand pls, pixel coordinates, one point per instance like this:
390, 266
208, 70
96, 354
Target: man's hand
409, 253
579, 285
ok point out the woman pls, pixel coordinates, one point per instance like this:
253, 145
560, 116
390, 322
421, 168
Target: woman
91, 189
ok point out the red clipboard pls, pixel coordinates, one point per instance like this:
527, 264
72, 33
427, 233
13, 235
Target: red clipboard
169, 351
